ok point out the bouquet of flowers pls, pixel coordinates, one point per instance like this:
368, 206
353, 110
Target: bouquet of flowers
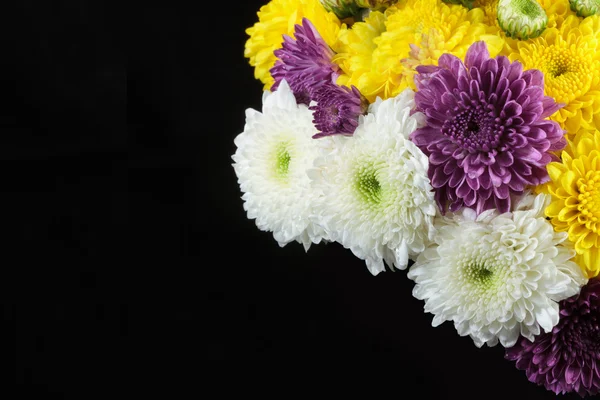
457, 139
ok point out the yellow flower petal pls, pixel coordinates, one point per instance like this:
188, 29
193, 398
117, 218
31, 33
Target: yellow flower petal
555, 208
555, 170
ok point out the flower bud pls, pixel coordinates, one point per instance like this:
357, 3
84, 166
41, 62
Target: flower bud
350, 8
585, 8
375, 4
521, 19
466, 3
341, 8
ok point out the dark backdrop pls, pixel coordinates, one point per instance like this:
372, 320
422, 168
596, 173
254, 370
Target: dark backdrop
130, 267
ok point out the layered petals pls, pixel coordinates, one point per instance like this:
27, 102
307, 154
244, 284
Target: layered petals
487, 135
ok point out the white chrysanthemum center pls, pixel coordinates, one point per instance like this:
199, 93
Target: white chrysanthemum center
367, 184
481, 271
282, 158
380, 188
478, 272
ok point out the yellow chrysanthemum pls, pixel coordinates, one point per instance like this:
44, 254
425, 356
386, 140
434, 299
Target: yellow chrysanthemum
356, 46
557, 11
575, 189
278, 18
490, 11
380, 55
569, 57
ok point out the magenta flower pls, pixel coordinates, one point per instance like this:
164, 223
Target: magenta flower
304, 62
486, 135
337, 109
568, 358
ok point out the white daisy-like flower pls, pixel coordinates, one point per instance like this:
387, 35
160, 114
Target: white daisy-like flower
497, 276
271, 160
377, 199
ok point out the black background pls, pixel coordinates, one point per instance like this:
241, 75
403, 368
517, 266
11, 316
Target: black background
129, 265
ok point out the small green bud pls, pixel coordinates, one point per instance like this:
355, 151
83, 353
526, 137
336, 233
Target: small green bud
341, 8
351, 8
585, 8
466, 3
521, 19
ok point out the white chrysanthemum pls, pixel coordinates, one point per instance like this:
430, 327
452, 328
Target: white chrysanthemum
497, 276
377, 199
272, 157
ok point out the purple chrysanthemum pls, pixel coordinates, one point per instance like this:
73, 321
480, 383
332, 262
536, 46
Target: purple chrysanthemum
304, 62
568, 358
337, 109
486, 135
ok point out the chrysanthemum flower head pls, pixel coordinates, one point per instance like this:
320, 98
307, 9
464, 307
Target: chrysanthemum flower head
271, 161
278, 18
377, 199
522, 19
337, 109
486, 135
497, 275
569, 57
304, 62
575, 190
568, 358
381, 62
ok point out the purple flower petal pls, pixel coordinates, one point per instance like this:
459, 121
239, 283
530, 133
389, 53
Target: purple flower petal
304, 62
567, 358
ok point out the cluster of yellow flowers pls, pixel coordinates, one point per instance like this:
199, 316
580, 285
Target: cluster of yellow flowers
379, 53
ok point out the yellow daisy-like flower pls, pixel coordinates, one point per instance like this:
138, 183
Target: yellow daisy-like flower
557, 11
278, 18
356, 46
490, 11
381, 54
575, 189
569, 57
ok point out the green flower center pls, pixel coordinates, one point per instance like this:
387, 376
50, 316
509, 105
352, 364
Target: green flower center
527, 7
481, 269
479, 274
368, 186
282, 160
